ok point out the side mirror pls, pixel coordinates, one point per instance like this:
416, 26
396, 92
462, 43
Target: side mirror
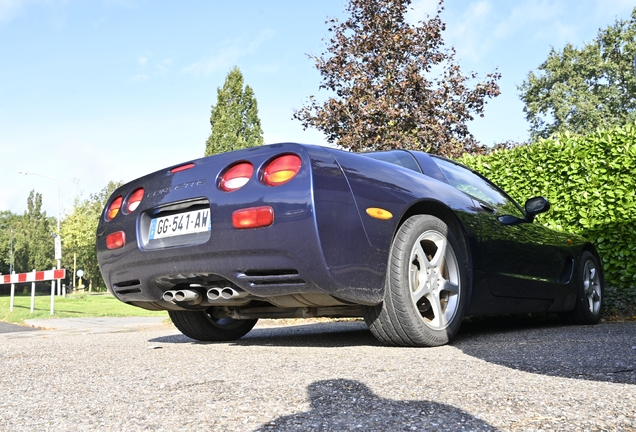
535, 206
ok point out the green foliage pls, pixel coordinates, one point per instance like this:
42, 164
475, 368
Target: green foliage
234, 118
9, 223
78, 234
33, 245
591, 184
101, 305
580, 90
395, 85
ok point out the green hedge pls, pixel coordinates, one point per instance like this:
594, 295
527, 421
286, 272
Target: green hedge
590, 181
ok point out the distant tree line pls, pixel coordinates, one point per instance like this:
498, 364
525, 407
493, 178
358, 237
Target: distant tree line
32, 234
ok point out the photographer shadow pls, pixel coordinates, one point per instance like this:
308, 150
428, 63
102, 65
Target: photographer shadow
342, 404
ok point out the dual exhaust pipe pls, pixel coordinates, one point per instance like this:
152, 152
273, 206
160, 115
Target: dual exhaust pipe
191, 296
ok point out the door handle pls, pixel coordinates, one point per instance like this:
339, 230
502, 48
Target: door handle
487, 208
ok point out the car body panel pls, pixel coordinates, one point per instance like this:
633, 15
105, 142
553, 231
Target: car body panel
323, 247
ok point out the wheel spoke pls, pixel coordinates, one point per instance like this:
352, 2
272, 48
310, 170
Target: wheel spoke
439, 258
591, 304
436, 305
422, 289
421, 258
420, 272
450, 287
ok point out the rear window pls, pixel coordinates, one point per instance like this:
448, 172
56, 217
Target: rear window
397, 157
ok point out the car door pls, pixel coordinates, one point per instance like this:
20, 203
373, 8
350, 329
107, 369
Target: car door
520, 257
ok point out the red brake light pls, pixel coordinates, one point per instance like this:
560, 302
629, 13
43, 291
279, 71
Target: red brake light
182, 168
254, 217
114, 208
116, 240
236, 177
134, 199
281, 170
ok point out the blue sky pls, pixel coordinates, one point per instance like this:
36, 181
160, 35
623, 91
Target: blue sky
99, 90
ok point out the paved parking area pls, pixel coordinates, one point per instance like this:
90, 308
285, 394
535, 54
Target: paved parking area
324, 376
13, 328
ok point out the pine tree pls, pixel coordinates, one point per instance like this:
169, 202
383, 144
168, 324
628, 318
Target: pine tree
234, 119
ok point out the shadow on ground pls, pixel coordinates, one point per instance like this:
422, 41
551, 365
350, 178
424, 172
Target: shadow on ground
604, 352
320, 335
542, 345
349, 405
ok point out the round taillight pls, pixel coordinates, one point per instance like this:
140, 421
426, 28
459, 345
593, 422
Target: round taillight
134, 200
281, 170
236, 177
114, 208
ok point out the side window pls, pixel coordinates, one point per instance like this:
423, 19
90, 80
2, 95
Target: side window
396, 157
477, 187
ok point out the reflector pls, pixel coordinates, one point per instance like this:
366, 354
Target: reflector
281, 170
116, 240
254, 217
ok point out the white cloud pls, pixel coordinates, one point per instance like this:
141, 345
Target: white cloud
229, 55
139, 78
163, 67
150, 70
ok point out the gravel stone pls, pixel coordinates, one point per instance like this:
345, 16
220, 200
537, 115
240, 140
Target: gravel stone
321, 377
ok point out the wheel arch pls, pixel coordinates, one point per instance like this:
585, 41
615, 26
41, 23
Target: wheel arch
441, 211
446, 214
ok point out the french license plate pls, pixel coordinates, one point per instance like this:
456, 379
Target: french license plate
180, 224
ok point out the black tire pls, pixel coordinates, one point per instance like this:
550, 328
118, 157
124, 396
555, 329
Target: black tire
427, 289
590, 291
202, 326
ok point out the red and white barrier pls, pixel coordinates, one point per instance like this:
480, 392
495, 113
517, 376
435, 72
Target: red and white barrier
37, 276
33, 277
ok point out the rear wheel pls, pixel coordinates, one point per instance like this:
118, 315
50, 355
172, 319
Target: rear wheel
426, 291
589, 302
203, 326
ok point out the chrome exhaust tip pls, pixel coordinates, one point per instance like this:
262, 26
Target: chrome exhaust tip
186, 296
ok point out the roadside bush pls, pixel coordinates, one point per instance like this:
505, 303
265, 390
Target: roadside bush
590, 181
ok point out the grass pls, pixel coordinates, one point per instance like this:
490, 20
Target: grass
71, 306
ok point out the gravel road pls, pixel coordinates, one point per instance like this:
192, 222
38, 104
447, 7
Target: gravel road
501, 375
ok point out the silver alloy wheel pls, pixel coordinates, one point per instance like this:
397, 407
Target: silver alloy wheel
434, 279
592, 286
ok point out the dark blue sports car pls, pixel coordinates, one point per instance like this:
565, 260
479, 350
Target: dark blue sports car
409, 241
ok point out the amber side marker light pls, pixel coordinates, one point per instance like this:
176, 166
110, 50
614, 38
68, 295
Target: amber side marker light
181, 168
254, 217
114, 208
281, 170
116, 240
379, 213
134, 200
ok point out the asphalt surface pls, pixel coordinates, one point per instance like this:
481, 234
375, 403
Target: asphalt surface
495, 375
13, 328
